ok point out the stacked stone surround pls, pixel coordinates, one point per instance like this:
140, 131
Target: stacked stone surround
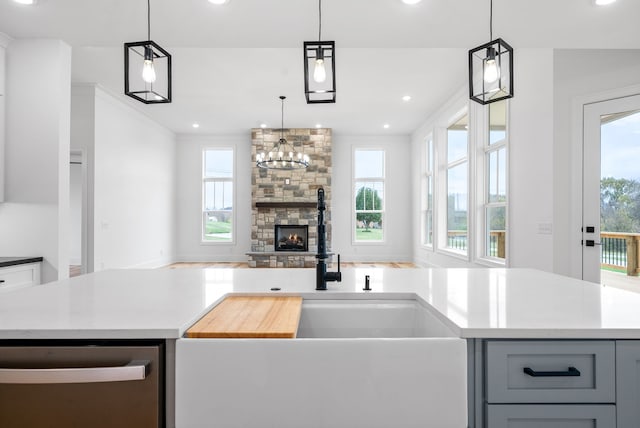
271, 186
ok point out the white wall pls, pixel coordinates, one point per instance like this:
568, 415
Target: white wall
75, 214
531, 180
4, 42
134, 188
189, 199
34, 219
579, 73
83, 140
398, 233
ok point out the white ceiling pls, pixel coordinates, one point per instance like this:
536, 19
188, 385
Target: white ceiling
232, 62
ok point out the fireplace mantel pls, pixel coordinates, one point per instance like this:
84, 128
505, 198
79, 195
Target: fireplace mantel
286, 204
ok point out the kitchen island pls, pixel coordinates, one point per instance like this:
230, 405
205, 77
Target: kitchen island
509, 318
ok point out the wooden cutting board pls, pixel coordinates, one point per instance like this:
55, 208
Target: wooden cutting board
250, 317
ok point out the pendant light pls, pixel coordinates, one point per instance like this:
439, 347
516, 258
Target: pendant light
319, 68
147, 69
491, 69
283, 155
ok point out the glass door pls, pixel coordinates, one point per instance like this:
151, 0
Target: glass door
611, 192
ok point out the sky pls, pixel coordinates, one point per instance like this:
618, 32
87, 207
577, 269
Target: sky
620, 148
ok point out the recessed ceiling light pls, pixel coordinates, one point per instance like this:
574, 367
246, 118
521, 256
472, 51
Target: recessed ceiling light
406, 98
25, 1
263, 125
219, 1
603, 2
411, 1
196, 125
385, 126
318, 125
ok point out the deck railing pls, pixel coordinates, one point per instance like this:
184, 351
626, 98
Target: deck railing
457, 239
620, 250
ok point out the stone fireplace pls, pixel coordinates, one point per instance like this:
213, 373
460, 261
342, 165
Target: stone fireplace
288, 198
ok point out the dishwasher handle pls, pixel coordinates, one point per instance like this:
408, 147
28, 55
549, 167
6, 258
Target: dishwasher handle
134, 370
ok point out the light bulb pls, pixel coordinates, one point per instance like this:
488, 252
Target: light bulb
490, 70
319, 73
148, 71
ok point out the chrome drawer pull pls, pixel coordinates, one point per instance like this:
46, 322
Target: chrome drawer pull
135, 370
571, 371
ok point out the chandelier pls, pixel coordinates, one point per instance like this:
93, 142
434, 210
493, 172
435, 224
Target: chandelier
283, 155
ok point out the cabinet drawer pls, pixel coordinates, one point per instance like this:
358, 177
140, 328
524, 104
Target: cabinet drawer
19, 276
550, 371
551, 416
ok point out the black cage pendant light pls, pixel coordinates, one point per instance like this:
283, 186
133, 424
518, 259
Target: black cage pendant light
283, 155
491, 69
147, 69
320, 68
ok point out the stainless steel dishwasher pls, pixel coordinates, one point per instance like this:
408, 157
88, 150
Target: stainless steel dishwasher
81, 384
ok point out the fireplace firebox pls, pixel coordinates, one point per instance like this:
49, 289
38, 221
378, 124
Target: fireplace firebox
291, 238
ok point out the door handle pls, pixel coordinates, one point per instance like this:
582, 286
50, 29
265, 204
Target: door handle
135, 370
591, 243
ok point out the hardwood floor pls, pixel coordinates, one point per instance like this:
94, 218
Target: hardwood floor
75, 270
239, 265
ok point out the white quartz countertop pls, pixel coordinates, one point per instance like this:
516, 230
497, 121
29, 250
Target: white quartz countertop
163, 303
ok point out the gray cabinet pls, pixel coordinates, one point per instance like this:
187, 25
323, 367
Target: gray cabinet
551, 416
551, 372
548, 384
628, 383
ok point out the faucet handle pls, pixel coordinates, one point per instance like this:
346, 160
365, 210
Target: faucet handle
367, 287
334, 276
338, 274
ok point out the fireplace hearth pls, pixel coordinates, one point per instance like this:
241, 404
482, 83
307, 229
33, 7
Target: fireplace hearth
291, 238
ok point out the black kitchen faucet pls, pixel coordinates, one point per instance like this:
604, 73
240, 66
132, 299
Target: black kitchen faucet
322, 276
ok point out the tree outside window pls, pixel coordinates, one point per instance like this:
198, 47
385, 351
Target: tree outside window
217, 189
369, 195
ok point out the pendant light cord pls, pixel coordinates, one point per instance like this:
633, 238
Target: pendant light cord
148, 19
491, 20
319, 20
282, 119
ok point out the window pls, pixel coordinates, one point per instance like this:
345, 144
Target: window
427, 194
217, 195
368, 195
495, 197
457, 185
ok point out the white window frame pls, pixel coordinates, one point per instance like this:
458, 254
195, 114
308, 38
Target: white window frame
484, 150
355, 180
428, 173
444, 168
204, 180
